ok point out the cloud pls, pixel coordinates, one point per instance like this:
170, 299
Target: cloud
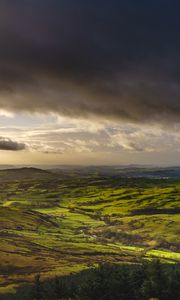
10, 145
115, 59
145, 139
67, 136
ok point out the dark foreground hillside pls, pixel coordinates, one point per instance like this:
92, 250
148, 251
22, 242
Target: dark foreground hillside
109, 282
63, 221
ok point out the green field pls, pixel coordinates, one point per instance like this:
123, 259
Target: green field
58, 222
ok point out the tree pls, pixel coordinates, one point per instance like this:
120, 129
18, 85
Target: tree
37, 288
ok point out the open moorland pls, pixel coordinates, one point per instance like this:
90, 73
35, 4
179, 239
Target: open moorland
61, 221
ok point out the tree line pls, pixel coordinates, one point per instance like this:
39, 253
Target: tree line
152, 280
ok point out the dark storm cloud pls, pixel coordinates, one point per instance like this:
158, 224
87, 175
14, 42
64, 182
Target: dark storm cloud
119, 59
8, 144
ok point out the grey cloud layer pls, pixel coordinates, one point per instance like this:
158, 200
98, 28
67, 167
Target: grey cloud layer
8, 144
119, 59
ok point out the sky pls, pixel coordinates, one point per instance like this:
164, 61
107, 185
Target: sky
89, 82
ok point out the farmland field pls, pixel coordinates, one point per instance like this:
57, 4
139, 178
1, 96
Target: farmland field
60, 221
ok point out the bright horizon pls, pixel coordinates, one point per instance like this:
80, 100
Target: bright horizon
62, 140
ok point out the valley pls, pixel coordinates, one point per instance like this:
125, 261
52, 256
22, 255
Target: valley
61, 221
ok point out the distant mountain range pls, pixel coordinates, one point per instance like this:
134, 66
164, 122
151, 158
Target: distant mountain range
134, 171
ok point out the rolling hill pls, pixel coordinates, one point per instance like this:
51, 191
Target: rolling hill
61, 221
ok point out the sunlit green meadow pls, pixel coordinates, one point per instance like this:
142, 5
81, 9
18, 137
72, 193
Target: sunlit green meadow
55, 223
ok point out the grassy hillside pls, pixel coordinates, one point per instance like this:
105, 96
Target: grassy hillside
61, 221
